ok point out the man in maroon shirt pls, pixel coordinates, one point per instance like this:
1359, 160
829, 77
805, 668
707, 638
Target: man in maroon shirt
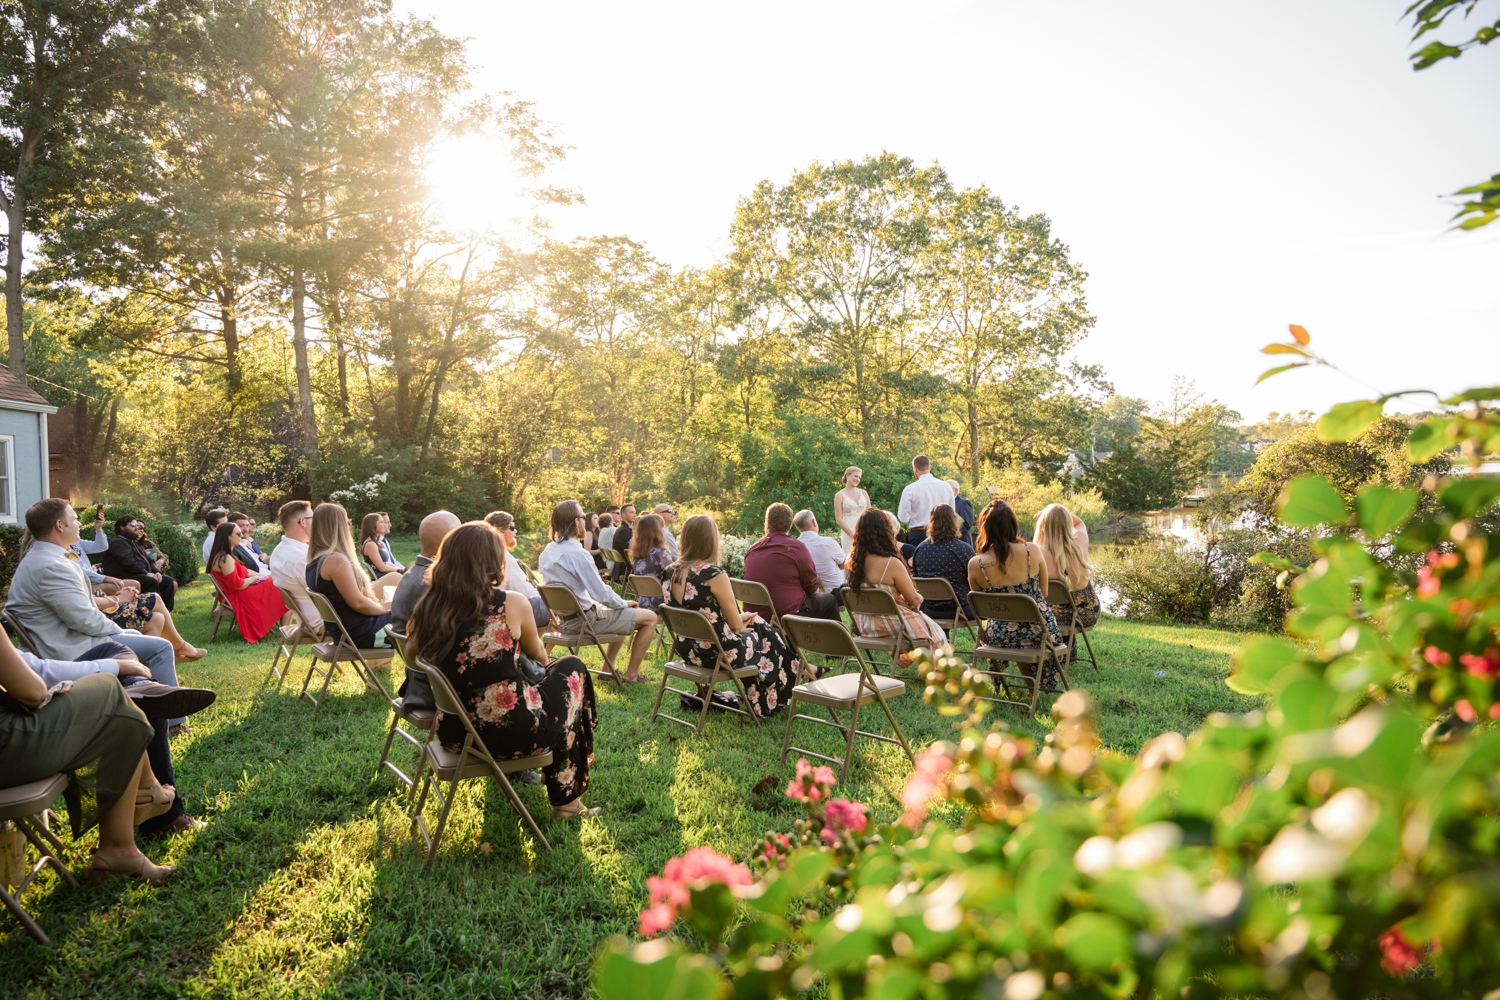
784, 565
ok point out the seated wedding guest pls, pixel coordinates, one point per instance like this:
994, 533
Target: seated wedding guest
964, 508
785, 566
875, 561
698, 583
945, 554
99, 543
1008, 565
430, 533
485, 642
565, 563
214, 518
257, 603
250, 558
827, 554
93, 720
50, 596
127, 560
334, 571
1058, 534
253, 545
667, 515
131, 609
591, 539
516, 579
622, 541
649, 555
376, 547
607, 529
289, 558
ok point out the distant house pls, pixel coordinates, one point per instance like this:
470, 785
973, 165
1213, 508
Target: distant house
24, 456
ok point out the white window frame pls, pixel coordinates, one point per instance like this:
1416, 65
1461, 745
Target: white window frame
9, 443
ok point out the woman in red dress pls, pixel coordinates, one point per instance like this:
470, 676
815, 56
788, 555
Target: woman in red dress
257, 603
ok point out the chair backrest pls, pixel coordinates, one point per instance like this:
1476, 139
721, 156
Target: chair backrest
398, 640
647, 586
532, 576
337, 632
821, 636
1005, 607
935, 588
559, 599
1058, 593
752, 592
689, 624
219, 595
14, 621
443, 695
870, 601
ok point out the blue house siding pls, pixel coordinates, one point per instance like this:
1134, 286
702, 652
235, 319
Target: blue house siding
25, 430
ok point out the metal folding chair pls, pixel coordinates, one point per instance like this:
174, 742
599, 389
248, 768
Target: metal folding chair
627, 587
25, 805
1023, 610
474, 760
881, 604
222, 608
1058, 594
650, 586
938, 588
751, 592
338, 648
420, 719
290, 638
846, 692
688, 624
563, 603
13, 620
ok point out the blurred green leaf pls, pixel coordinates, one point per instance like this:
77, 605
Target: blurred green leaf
1206, 785
1347, 421
1309, 501
1429, 438
1275, 562
655, 970
1278, 370
1382, 509
1474, 394
1468, 497
1258, 663
1095, 940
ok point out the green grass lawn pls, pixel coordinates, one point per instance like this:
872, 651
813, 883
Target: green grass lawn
308, 882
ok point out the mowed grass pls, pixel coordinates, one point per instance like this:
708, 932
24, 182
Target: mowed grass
309, 882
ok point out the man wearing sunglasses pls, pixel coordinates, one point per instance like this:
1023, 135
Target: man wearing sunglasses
127, 560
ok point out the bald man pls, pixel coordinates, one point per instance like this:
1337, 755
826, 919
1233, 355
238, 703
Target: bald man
431, 532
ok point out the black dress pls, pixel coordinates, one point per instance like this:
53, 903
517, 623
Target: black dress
516, 719
949, 560
362, 628
760, 645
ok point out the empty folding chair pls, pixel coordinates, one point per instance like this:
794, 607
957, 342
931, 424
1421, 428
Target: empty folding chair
688, 624
24, 804
937, 588
420, 719
290, 638
1059, 594
338, 648
881, 604
846, 692
221, 609
472, 761
1023, 610
563, 603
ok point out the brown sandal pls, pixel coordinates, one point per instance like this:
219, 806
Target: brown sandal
581, 813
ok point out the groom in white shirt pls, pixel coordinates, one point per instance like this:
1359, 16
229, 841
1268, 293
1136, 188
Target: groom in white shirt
918, 499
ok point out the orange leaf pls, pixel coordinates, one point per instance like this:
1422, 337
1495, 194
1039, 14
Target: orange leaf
1300, 334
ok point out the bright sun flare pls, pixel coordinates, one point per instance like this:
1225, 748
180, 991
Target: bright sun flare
475, 188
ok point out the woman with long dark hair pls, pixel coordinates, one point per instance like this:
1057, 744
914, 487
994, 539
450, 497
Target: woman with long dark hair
258, 605
875, 561
1006, 564
473, 630
649, 555
376, 547
944, 553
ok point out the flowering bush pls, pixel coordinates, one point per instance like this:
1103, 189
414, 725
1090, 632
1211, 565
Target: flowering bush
1342, 842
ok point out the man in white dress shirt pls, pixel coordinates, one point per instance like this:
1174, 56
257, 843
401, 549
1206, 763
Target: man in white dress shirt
827, 553
918, 499
667, 515
289, 559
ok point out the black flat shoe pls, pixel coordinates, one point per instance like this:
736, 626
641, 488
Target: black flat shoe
163, 701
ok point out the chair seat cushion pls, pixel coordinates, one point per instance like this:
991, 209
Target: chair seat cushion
419, 717
1028, 654
701, 675
445, 761
331, 651
846, 688
32, 797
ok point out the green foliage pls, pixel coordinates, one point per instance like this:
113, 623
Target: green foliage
11, 538
1027, 498
1168, 454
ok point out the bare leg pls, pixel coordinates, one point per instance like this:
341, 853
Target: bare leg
117, 850
645, 631
614, 654
167, 629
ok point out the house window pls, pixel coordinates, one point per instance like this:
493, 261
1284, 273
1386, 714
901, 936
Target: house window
7, 479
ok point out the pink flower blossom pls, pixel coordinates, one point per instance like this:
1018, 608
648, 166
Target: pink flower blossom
1427, 584
775, 846
1436, 656
672, 892
656, 918
926, 781
1398, 955
841, 814
1465, 710
1486, 664
811, 784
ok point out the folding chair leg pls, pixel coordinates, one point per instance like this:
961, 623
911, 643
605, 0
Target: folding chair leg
417, 778
49, 856
849, 742
706, 695
1090, 647
897, 727
437, 834
215, 633
14, 905
744, 693
390, 736
660, 693
786, 741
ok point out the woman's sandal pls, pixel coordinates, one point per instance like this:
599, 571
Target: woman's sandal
138, 868
158, 801
580, 813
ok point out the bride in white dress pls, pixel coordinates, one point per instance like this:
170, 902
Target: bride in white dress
848, 504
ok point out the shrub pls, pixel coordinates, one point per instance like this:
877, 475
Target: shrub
1161, 578
1027, 497
732, 549
11, 537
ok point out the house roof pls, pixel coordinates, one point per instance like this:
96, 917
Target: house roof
15, 390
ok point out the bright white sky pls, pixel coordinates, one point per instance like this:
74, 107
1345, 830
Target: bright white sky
1219, 169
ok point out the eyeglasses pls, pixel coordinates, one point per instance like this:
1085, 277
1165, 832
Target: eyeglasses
510, 528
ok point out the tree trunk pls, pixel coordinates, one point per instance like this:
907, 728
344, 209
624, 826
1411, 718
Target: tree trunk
304, 375
230, 325
15, 212
974, 443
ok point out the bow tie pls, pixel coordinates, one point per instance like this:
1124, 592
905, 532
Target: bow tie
71, 554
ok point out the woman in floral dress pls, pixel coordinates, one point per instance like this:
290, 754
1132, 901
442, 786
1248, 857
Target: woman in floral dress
472, 630
699, 584
1007, 565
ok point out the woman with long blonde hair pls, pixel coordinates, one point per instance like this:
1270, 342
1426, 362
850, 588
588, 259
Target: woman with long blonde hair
1057, 535
698, 583
333, 570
